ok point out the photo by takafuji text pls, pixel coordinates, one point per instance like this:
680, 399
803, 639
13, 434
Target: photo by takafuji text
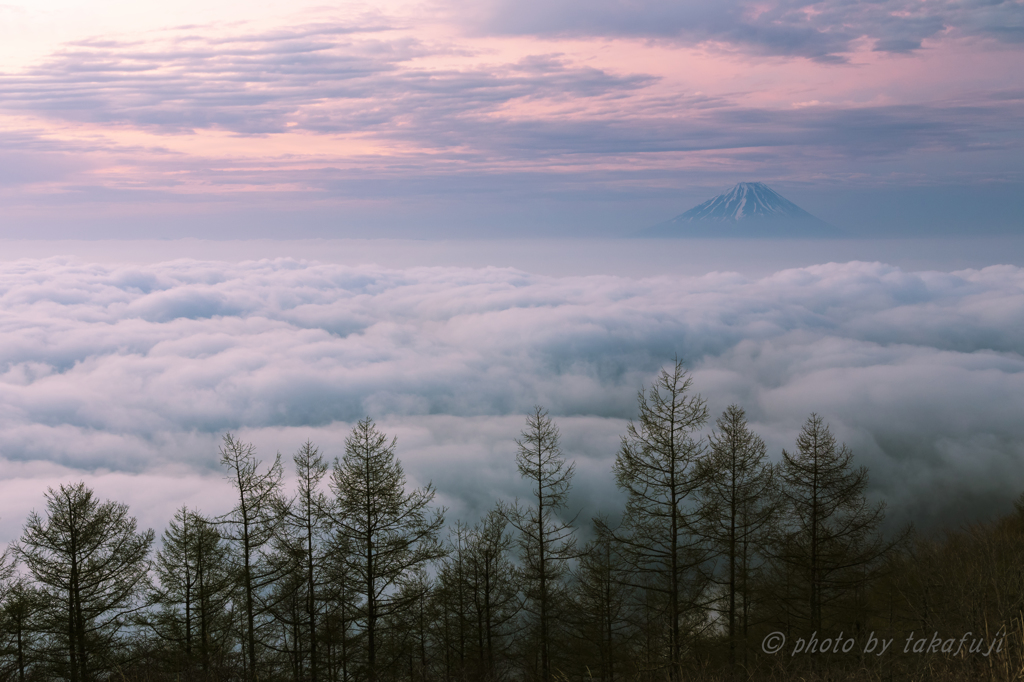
967, 644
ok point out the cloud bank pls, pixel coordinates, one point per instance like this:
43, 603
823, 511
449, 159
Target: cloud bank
129, 375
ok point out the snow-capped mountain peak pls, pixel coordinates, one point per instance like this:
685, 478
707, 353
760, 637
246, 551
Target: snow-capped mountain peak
750, 209
744, 201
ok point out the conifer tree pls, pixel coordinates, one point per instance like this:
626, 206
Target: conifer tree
407, 652
193, 589
739, 502
305, 534
496, 584
656, 468
477, 594
91, 560
250, 526
390, 532
6, 573
285, 606
832, 543
20, 609
455, 589
547, 543
603, 613
341, 611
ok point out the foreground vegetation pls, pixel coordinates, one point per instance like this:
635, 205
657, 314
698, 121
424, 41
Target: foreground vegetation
720, 555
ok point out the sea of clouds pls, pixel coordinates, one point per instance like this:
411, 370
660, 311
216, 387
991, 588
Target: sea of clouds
127, 376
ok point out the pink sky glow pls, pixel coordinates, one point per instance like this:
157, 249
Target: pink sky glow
363, 115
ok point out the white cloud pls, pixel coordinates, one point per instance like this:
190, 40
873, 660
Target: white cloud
129, 375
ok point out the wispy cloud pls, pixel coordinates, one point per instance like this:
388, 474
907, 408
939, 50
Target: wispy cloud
360, 118
324, 78
467, 111
814, 29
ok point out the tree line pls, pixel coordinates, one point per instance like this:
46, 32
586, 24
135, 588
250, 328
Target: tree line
357, 577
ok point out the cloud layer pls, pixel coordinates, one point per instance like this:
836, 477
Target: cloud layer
130, 374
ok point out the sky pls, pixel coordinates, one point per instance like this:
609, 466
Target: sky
498, 119
276, 218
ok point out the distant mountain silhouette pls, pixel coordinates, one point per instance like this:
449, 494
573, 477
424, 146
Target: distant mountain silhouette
750, 209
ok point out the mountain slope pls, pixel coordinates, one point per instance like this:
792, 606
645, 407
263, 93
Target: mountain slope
750, 209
